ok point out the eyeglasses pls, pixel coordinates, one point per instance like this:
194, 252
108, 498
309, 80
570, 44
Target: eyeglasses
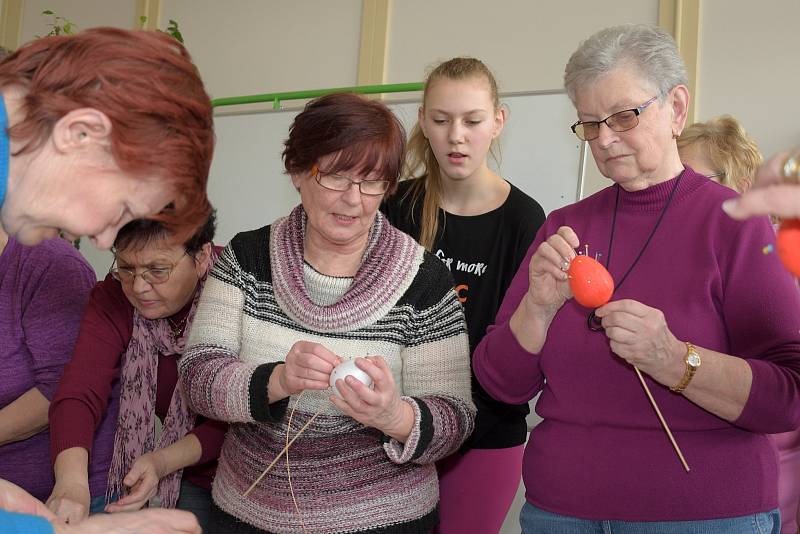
621, 121
336, 182
153, 275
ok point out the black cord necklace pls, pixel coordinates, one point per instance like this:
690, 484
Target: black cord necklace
595, 324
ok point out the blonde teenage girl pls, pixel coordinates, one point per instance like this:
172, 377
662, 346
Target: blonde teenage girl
480, 226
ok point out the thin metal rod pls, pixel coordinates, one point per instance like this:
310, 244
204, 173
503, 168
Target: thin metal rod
661, 418
276, 98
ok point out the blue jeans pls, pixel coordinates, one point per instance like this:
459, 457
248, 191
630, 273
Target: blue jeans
536, 521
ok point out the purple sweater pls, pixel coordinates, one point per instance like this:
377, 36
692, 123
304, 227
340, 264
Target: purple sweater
600, 452
43, 290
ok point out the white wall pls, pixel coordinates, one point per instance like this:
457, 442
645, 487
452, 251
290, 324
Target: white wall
250, 46
84, 13
526, 43
749, 67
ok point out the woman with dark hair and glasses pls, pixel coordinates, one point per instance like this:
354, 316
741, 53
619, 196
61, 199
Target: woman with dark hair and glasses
286, 303
123, 374
710, 320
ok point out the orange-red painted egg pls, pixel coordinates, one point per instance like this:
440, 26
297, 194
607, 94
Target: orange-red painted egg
590, 282
788, 242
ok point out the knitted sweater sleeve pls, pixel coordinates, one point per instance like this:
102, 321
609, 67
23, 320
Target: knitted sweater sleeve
218, 384
436, 370
761, 306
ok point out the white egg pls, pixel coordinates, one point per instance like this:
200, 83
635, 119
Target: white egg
348, 368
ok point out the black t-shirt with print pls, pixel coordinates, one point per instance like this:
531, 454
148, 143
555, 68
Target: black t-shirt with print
483, 252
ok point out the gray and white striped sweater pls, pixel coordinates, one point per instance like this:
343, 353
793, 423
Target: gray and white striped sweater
258, 301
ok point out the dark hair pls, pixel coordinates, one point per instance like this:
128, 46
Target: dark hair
148, 87
141, 232
367, 136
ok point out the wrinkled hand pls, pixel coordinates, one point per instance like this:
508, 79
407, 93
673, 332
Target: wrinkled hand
639, 334
152, 521
380, 407
770, 195
548, 282
70, 500
142, 480
308, 366
15, 499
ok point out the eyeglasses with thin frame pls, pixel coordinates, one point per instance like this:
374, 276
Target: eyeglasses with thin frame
152, 275
621, 121
337, 182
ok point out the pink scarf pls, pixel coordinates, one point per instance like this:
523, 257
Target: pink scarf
135, 434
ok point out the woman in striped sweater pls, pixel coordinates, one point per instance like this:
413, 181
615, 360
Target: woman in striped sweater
286, 303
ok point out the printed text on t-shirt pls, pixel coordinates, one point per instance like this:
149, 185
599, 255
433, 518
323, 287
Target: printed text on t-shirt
477, 268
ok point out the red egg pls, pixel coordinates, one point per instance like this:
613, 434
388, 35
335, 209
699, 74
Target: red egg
788, 242
590, 282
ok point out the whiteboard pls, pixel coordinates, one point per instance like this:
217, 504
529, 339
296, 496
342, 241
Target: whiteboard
538, 154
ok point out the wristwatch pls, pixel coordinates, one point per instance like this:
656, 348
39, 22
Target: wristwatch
693, 361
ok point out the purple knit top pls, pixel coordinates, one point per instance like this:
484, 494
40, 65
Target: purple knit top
600, 452
43, 290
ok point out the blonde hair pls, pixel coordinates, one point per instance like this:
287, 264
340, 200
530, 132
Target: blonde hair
421, 161
727, 146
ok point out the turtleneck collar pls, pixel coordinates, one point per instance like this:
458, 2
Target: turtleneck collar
654, 197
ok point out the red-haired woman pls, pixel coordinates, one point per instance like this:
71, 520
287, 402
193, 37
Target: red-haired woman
99, 128
285, 303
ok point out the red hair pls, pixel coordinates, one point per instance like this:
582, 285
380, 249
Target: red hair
367, 136
147, 85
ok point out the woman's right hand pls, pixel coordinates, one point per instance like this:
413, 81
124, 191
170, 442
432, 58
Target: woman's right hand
69, 500
548, 289
773, 193
308, 366
548, 285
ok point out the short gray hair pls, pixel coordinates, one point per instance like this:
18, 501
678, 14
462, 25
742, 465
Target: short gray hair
649, 50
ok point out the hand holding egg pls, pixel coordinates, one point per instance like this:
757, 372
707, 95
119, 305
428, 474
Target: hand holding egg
590, 282
345, 369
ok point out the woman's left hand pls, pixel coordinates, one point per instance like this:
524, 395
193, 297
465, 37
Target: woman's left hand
143, 483
380, 407
639, 335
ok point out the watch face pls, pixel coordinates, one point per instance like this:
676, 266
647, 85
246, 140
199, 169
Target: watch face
693, 359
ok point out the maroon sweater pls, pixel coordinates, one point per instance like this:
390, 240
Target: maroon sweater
84, 411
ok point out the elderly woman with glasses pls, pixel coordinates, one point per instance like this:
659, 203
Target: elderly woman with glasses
287, 303
710, 321
123, 374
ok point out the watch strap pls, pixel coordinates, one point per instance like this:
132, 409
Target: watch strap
690, 370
